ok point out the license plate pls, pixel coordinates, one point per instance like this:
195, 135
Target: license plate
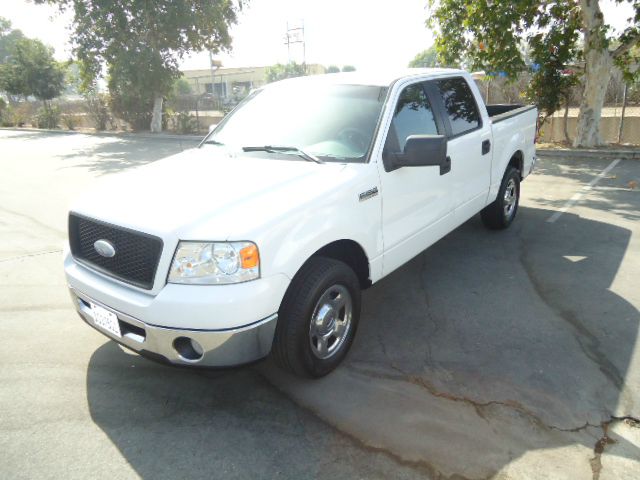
105, 319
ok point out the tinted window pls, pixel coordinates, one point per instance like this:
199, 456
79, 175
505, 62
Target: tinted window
459, 104
413, 116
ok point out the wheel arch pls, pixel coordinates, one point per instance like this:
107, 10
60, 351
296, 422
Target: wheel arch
349, 252
517, 161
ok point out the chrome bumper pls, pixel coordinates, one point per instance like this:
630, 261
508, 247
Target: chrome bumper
220, 348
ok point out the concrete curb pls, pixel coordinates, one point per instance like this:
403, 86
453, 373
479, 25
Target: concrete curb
588, 153
156, 136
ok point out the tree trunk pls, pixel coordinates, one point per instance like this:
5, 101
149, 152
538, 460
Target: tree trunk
598, 65
156, 116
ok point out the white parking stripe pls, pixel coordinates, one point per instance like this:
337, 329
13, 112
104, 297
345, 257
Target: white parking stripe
576, 197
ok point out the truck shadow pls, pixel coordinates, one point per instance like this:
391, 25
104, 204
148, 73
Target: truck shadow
524, 328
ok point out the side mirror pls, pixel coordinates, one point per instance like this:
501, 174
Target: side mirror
421, 151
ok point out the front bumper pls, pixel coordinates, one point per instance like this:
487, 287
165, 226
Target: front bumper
220, 348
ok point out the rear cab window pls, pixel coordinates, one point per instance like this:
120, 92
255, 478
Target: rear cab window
459, 105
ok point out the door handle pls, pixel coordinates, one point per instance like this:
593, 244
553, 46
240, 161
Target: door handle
486, 147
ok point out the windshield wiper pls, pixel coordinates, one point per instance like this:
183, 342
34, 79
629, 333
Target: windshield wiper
213, 142
283, 149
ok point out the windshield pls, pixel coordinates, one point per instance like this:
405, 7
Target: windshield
330, 122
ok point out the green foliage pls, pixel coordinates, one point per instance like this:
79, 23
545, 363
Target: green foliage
129, 98
151, 36
184, 122
281, 71
14, 115
98, 109
8, 38
348, 68
425, 59
48, 117
489, 36
182, 87
3, 104
554, 50
70, 121
30, 70
73, 78
332, 69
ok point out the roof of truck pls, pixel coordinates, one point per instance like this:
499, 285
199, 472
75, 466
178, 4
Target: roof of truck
382, 78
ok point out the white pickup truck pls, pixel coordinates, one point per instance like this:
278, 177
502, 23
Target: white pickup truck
260, 240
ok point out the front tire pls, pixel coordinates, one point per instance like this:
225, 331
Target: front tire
318, 318
501, 213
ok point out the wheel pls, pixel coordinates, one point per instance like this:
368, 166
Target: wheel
318, 318
500, 214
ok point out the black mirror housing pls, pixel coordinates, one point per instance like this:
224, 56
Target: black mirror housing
421, 151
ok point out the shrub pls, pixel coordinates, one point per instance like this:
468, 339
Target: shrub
48, 117
69, 121
98, 109
9, 117
184, 122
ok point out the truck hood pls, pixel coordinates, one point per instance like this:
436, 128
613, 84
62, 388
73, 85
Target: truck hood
208, 194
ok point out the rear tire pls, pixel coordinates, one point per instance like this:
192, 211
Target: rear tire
501, 213
318, 318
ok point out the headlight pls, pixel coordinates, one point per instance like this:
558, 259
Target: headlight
215, 263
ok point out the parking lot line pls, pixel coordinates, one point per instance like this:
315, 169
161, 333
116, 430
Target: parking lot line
577, 196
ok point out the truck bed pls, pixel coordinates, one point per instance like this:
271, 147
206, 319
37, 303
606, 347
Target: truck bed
501, 111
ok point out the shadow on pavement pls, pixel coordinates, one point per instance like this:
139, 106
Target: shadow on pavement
117, 154
483, 348
229, 424
617, 192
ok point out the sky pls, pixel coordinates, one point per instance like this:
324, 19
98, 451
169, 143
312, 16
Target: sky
363, 33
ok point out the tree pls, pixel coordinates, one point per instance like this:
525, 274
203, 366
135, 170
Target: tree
490, 34
332, 69
281, 71
425, 59
182, 87
30, 70
152, 36
348, 68
8, 38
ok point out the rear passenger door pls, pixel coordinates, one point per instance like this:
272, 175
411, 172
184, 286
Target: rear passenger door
469, 144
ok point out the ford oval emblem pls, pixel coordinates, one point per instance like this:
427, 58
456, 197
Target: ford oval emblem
104, 248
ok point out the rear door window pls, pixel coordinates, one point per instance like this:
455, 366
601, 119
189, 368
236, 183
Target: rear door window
459, 104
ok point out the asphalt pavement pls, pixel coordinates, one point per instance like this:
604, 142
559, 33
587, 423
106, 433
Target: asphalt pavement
506, 355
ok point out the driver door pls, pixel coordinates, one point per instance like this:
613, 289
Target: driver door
417, 205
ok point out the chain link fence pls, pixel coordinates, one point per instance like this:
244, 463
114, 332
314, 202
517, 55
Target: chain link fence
620, 123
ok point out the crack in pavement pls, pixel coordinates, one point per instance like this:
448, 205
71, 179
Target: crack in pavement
58, 233
27, 255
604, 441
478, 406
588, 342
421, 466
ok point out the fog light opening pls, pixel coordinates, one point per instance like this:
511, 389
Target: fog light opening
188, 349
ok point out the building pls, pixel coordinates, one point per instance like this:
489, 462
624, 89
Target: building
227, 83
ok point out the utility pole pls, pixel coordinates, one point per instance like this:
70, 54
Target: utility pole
296, 35
214, 67
624, 107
